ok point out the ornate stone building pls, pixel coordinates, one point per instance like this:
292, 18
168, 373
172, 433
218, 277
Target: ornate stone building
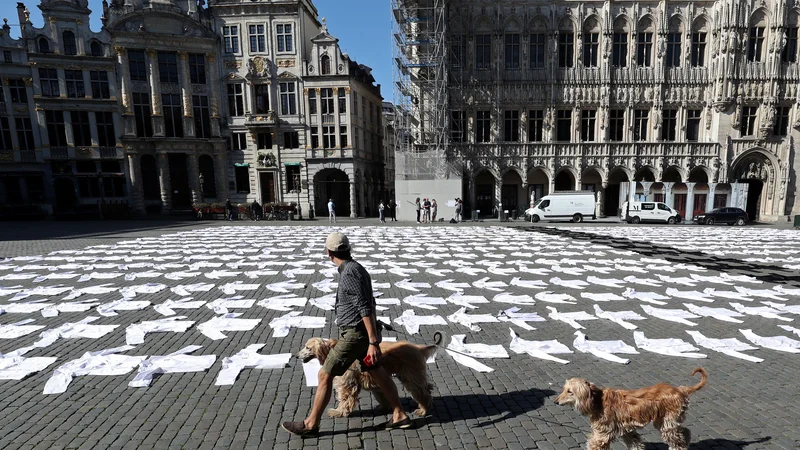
697, 101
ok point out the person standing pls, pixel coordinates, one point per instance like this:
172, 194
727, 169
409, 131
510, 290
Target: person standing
418, 207
458, 209
229, 209
426, 207
359, 337
331, 211
382, 212
434, 208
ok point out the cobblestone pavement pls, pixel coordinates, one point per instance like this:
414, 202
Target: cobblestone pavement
745, 405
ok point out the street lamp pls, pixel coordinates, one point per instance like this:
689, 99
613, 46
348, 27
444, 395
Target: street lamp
202, 180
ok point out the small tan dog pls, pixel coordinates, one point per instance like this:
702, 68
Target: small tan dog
405, 360
617, 413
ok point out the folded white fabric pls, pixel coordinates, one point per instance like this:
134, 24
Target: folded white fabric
217, 274
539, 349
39, 291
793, 309
281, 325
409, 285
530, 284
791, 329
284, 302
649, 297
229, 322
24, 308
505, 297
249, 358
603, 349
311, 372
14, 366
618, 317
570, 318
176, 362
601, 297
284, 287
476, 350
180, 275
185, 290
763, 293
134, 333
552, 297
642, 281
685, 281
222, 305
93, 290
723, 314
519, 319
292, 273
729, 346
763, 311
574, 284
110, 309
672, 315
131, 276
468, 301
740, 278
783, 290
668, 347
102, 362
18, 329
326, 285
711, 279
470, 320
76, 330
99, 276
412, 321
777, 343
326, 302
484, 283
149, 288
233, 287
168, 307
8, 290
689, 295
423, 301
730, 295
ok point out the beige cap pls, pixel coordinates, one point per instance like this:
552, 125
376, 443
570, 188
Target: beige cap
337, 242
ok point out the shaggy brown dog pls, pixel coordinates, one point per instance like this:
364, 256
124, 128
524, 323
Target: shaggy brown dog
403, 359
619, 413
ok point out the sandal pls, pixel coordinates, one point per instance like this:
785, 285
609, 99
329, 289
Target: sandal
299, 429
400, 424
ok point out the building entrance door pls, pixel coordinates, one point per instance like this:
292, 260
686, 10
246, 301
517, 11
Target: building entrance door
267, 186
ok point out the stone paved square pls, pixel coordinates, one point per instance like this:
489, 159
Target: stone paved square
745, 405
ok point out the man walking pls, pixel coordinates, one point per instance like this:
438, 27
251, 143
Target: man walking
331, 211
359, 339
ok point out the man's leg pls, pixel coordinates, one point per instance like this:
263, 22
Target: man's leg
321, 399
389, 391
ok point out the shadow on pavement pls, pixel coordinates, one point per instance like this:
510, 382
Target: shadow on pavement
26, 231
450, 408
763, 272
714, 444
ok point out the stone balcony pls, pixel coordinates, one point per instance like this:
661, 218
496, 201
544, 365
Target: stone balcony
585, 149
21, 156
62, 153
323, 153
260, 120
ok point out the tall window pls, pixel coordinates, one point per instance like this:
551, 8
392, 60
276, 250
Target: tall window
70, 46
74, 81
242, 177
342, 101
96, 48
566, 50
285, 38
511, 126
2, 93
7, 57
538, 50
673, 50
312, 101
202, 118
288, 98
17, 91
616, 124
328, 137
619, 50
483, 51
789, 53
748, 120
315, 136
535, 125
142, 114
25, 133
258, 39
197, 68
173, 119
168, 67
458, 126
239, 141
137, 65
692, 124
564, 125
483, 126
781, 127
56, 130
640, 120
512, 51
5, 135
698, 49
235, 100
458, 52
293, 178
644, 49
343, 136
291, 139
755, 44
590, 45
44, 45
99, 80
325, 65
106, 136
231, 36
262, 98
263, 141
588, 118
669, 124
326, 100
48, 80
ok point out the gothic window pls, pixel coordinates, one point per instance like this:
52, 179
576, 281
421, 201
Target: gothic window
588, 118
693, 124
512, 51
17, 91
673, 50
781, 127
590, 47
483, 126
755, 44
106, 136
640, 120
566, 50
56, 130
669, 124
99, 80
644, 49
563, 125
137, 65
458, 126
619, 50
96, 48
616, 125
70, 46
202, 118
699, 49
538, 49
173, 118
483, 52
789, 53
48, 81
748, 125
511, 126
168, 67
535, 125
325, 65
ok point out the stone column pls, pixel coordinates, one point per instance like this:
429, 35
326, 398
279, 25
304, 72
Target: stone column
668, 198
137, 189
186, 93
164, 182
710, 197
221, 174
498, 196
689, 201
125, 94
56, 36
155, 93
194, 177
353, 212
646, 185
213, 101
361, 196
93, 128
472, 194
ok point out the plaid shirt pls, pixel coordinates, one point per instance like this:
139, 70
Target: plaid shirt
354, 295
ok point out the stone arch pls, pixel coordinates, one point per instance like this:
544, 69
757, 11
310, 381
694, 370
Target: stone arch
677, 24
96, 48
512, 25
756, 168
567, 24
592, 180
325, 65
673, 174
566, 179
700, 174
623, 24
759, 17
332, 184
538, 23
512, 194
701, 23
483, 23
539, 181
645, 173
485, 180
43, 45
646, 24
592, 24
615, 192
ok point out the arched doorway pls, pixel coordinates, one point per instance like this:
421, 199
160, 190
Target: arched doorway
209, 186
332, 184
538, 184
65, 195
753, 170
565, 181
511, 195
150, 186
484, 193
591, 180
671, 175
613, 191
644, 174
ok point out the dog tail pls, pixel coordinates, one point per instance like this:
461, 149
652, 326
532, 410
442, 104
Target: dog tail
689, 390
431, 349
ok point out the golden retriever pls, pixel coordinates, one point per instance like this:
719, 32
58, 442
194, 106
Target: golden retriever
617, 413
403, 359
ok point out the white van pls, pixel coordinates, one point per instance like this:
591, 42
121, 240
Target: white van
649, 212
573, 205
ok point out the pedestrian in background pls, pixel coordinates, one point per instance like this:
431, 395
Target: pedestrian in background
393, 210
418, 207
331, 211
459, 206
434, 208
229, 209
381, 212
426, 208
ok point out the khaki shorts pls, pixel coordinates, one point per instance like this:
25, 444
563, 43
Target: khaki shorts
352, 345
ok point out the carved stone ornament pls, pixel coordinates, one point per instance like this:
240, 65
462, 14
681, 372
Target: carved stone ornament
258, 67
285, 63
233, 64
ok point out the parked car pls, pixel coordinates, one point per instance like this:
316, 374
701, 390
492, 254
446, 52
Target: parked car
649, 212
731, 216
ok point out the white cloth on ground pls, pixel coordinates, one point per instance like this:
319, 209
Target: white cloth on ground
149, 288
102, 362
601, 297
326, 302
167, 308
668, 346
175, 362
649, 297
519, 319
282, 324
284, 302
689, 295
235, 286
552, 297
249, 358
411, 321
24, 308
530, 284
777, 343
607, 282
93, 290
468, 301
74, 330
470, 320
619, 317
135, 332
729, 346
485, 283
476, 350
793, 309
730, 295
603, 349
221, 305
723, 314
39, 291
763, 293
573, 284
505, 297
283, 287
791, 329
18, 329
539, 349
14, 366
763, 311
570, 318
110, 309
672, 315
229, 322
185, 290
423, 301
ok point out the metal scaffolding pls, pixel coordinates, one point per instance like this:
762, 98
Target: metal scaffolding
420, 90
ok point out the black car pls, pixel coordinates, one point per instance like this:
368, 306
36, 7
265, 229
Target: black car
731, 216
